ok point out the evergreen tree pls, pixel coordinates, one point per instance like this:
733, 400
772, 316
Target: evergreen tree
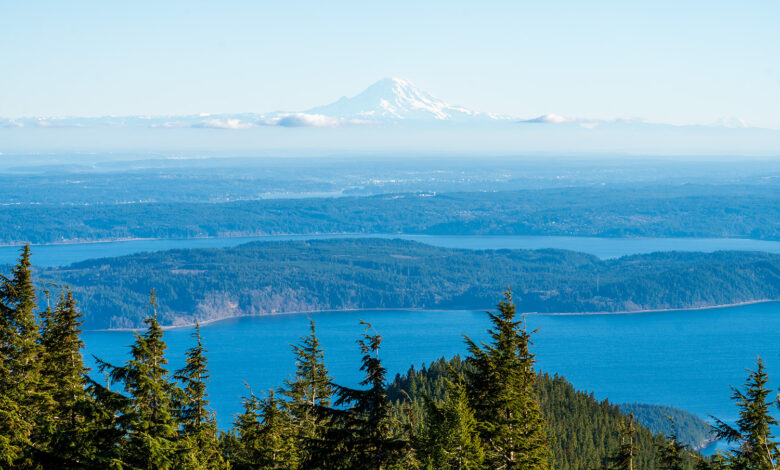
149, 422
450, 439
265, 437
753, 433
501, 389
21, 398
715, 462
199, 435
671, 452
245, 450
106, 416
310, 388
623, 459
359, 431
63, 378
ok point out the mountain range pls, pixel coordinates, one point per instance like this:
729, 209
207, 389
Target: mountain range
391, 117
388, 101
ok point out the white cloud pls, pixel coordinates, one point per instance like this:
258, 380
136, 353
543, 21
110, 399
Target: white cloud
55, 124
549, 119
171, 124
584, 122
224, 124
731, 122
310, 120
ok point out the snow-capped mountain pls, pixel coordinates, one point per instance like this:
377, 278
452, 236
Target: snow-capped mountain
389, 101
395, 99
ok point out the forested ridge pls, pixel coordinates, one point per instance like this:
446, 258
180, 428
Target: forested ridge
584, 436
584, 429
277, 277
491, 410
651, 211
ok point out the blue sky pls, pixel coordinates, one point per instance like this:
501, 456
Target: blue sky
675, 62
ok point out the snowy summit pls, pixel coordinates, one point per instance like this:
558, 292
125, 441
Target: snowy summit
395, 99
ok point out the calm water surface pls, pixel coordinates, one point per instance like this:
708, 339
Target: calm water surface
686, 359
57, 255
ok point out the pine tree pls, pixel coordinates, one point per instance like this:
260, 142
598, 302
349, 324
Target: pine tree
501, 392
359, 434
265, 437
246, 449
150, 424
310, 388
623, 459
671, 452
450, 439
63, 377
21, 398
753, 433
199, 435
106, 419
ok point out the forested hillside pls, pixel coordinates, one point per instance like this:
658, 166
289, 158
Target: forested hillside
665, 420
559, 399
268, 278
583, 430
653, 211
492, 410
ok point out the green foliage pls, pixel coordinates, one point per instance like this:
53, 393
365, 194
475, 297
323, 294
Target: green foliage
689, 429
501, 392
359, 433
624, 455
261, 278
308, 390
21, 393
149, 422
449, 438
655, 211
64, 385
583, 431
671, 453
753, 432
489, 411
199, 435
264, 436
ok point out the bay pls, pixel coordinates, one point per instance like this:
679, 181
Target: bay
63, 254
684, 358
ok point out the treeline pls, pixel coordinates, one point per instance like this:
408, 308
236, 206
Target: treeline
691, 429
654, 211
489, 411
267, 278
583, 430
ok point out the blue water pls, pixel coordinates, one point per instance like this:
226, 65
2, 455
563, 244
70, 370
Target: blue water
686, 359
57, 255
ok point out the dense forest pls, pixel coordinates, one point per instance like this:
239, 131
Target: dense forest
690, 429
588, 440
278, 277
490, 411
653, 211
583, 431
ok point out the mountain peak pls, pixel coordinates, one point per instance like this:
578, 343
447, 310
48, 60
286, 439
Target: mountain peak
394, 99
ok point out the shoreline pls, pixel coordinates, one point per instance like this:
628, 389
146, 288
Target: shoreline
415, 309
363, 234
227, 237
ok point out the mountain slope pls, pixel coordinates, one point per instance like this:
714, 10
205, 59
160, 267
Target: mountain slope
395, 99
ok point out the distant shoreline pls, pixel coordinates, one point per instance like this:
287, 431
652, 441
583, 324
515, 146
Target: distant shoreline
410, 309
657, 310
227, 237
368, 235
